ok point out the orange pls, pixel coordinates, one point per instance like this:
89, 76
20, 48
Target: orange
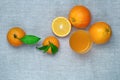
61, 26
13, 36
53, 40
100, 32
80, 42
80, 16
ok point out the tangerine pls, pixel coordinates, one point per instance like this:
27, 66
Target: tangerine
13, 36
53, 40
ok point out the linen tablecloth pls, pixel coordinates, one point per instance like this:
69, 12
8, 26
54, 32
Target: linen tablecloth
102, 62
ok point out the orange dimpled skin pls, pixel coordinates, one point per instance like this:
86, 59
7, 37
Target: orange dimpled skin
53, 40
100, 32
13, 36
80, 16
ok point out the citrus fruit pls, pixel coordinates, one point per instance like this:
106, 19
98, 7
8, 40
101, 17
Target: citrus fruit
80, 41
61, 26
100, 32
53, 40
13, 36
80, 16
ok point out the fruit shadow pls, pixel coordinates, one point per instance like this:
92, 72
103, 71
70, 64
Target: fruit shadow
83, 57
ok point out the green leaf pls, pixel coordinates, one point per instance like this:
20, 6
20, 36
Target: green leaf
30, 39
44, 48
53, 48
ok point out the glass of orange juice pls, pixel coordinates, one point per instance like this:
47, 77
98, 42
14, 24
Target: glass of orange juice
80, 42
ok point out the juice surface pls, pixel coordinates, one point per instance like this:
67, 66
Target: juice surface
80, 41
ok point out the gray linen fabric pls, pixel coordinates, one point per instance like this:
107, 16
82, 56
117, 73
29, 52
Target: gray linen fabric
35, 16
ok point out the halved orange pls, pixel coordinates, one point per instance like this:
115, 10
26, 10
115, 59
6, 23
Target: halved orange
61, 26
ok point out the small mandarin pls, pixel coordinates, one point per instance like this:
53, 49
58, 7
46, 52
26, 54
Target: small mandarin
53, 40
13, 36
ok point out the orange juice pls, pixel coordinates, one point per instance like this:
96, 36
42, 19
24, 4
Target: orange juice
80, 41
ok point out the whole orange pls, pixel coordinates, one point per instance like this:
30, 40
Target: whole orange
13, 36
53, 40
80, 16
100, 32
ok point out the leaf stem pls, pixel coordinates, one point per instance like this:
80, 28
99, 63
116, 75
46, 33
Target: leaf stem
15, 36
